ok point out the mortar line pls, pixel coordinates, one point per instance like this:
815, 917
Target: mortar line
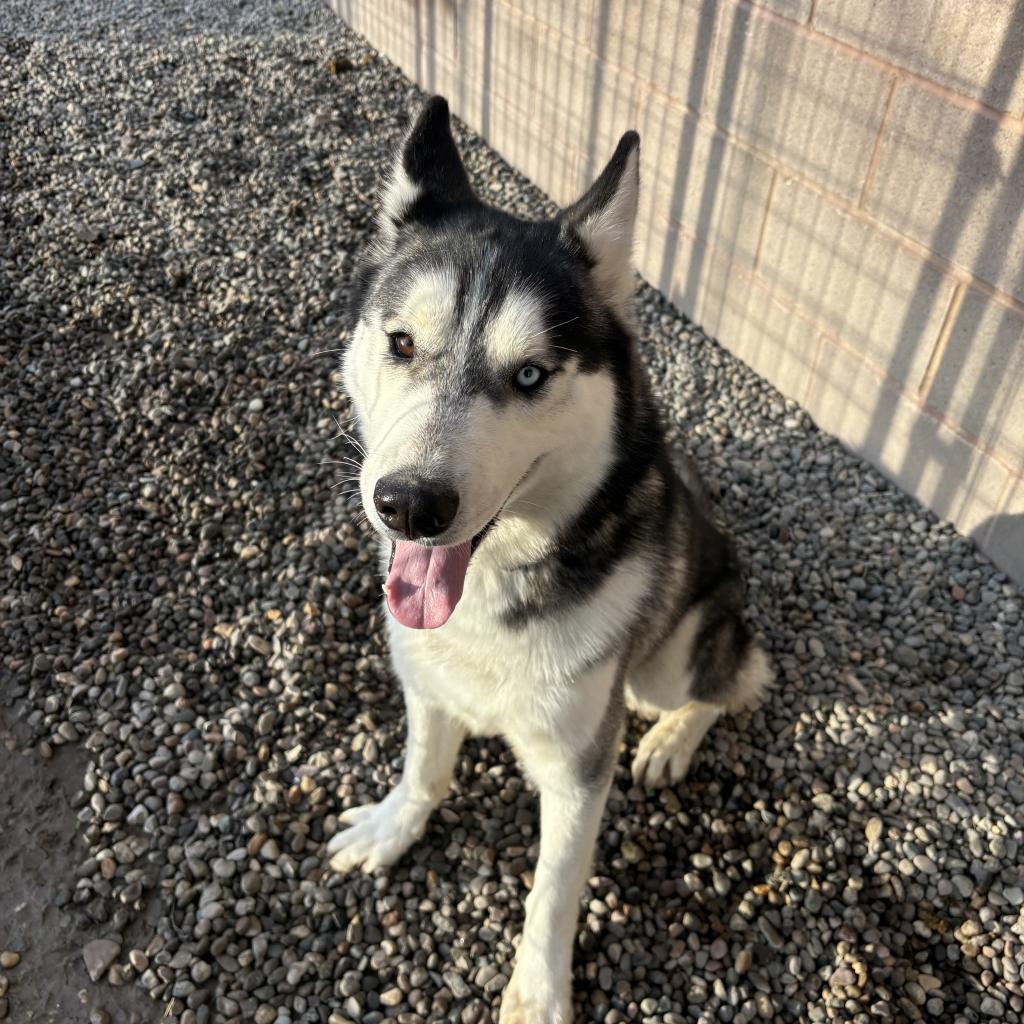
764, 220
813, 375
876, 149
939, 348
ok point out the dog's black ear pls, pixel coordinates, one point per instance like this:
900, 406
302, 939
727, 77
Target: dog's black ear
428, 171
603, 219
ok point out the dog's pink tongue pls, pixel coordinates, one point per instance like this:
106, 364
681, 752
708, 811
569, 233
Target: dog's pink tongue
425, 584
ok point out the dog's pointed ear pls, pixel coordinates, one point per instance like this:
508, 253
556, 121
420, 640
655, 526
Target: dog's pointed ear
428, 171
603, 219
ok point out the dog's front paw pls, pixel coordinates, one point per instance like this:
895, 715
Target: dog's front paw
536, 997
378, 834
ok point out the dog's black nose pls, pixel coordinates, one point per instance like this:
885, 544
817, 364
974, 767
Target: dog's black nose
417, 508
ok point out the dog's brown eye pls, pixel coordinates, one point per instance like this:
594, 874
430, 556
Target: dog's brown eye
401, 345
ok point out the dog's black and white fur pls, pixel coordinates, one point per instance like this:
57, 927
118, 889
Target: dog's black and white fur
516, 399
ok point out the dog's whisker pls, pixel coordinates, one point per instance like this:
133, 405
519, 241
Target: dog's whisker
353, 441
342, 432
548, 330
518, 503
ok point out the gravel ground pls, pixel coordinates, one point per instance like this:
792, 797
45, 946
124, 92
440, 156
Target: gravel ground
186, 597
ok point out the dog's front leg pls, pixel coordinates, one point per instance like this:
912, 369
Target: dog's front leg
573, 776
540, 991
378, 834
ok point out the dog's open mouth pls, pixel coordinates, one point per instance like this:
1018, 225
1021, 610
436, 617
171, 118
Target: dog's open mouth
425, 584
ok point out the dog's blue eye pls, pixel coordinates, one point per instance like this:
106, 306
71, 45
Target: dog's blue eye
530, 376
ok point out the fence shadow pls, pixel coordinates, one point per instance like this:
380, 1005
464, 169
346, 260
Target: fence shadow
926, 447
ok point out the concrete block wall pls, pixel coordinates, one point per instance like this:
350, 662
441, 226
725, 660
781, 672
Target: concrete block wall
832, 188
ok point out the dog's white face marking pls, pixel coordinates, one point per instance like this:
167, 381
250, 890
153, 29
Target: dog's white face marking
454, 411
393, 409
515, 334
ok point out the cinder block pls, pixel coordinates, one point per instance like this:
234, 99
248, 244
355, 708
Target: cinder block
846, 397
437, 24
870, 291
953, 180
979, 382
797, 10
667, 43
463, 93
564, 98
797, 97
1002, 536
555, 168
913, 449
520, 63
391, 27
723, 297
775, 342
696, 177
573, 18
973, 48
614, 107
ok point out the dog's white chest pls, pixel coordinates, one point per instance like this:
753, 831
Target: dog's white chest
482, 672
500, 678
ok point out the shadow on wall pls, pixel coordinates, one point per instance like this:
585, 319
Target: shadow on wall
789, 204
982, 405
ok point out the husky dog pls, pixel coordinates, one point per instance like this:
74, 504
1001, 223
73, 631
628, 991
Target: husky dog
546, 565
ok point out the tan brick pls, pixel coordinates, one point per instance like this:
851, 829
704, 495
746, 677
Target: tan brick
869, 290
842, 396
693, 175
574, 18
436, 22
973, 48
775, 342
599, 128
389, 27
954, 181
1002, 536
913, 449
979, 382
797, 10
668, 43
722, 296
556, 169
453, 81
560, 94
795, 96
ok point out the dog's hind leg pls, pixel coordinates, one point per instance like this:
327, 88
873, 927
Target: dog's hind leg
707, 667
